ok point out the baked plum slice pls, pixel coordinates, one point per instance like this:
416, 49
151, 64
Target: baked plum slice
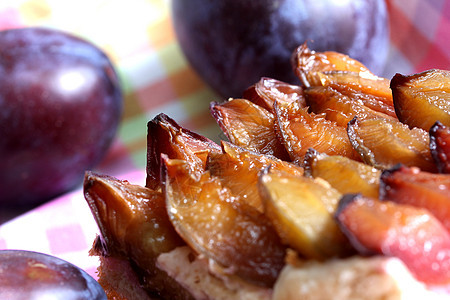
302, 210
249, 126
301, 130
238, 169
410, 233
338, 107
384, 143
236, 238
418, 188
166, 136
371, 91
308, 63
422, 99
359, 177
268, 90
134, 227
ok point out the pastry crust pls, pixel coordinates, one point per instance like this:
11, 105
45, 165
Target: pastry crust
354, 278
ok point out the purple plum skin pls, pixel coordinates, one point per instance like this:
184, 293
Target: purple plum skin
233, 43
60, 106
34, 275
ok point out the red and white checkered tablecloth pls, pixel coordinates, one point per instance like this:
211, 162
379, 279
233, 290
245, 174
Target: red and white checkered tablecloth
63, 227
420, 36
138, 36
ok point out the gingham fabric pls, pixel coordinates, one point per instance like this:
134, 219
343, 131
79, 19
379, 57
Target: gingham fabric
139, 38
420, 36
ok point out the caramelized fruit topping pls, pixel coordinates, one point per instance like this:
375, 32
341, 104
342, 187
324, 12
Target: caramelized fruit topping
301, 210
301, 130
268, 90
359, 177
249, 126
165, 136
410, 233
419, 188
384, 143
307, 63
221, 226
238, 169
422, 99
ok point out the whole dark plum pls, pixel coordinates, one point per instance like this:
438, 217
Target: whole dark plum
33, 276
60, 106
233, 43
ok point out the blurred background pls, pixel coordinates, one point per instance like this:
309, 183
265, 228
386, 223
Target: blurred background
139, 38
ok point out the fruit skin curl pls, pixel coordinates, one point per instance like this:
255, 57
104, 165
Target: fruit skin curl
60, 106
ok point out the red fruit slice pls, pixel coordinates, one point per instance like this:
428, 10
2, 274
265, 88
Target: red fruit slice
410, 233
418, 188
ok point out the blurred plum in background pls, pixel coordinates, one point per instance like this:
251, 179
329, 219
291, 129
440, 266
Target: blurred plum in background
60, 106
233, 43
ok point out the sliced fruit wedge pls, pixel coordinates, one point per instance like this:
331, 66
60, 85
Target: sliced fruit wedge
220, 226
249, 126
371, 91
440, 146
338, 107
384, 143
418, 188
165, 136
410, 233
358, 177
301, 130
268, 90
307, 63
422, 99
238, 169
301, 210
134, 225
